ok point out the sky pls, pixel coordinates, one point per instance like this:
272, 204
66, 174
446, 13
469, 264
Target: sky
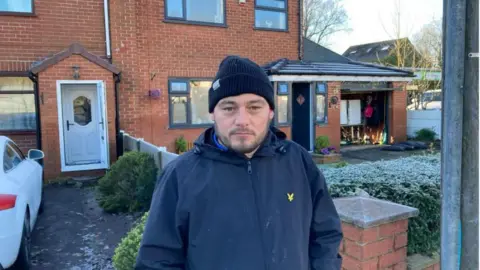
366, 18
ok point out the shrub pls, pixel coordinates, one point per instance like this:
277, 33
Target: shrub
321, 142
340, 164
425, 134
129, 184
412, 181
181, 144
127, 250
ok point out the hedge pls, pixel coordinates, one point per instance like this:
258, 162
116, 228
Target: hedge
128, 186
412, 181
126, 252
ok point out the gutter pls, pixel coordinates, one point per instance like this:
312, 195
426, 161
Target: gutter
107, 28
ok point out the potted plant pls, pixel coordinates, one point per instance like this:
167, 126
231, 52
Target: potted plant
324, 152
180, 145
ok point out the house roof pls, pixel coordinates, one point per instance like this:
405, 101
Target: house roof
371, 52
74, 49
351, 68
317, 53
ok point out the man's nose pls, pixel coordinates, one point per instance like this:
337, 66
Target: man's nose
242, 117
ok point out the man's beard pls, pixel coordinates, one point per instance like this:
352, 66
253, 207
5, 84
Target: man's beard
242, 146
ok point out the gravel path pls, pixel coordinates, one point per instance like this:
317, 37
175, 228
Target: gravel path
74, 233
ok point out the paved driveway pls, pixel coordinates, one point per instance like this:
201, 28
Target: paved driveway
74, 233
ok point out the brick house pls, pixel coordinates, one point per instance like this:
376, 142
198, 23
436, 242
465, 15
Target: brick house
145, 67
55, 94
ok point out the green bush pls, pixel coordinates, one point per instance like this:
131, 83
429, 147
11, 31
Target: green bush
412, 181
340, 164
425, 134
127, 250
181, 144
128, 186
321, 142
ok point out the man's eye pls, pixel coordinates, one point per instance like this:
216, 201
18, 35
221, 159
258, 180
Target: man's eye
255, 108
228, 109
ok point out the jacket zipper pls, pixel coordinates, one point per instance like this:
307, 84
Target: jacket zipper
249, 170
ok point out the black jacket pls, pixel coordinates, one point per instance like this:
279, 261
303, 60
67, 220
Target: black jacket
215, 209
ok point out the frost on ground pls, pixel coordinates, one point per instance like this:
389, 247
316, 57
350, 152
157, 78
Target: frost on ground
424, 169
74, 233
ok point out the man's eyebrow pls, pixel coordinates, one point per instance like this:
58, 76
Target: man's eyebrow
228, 102
256, 101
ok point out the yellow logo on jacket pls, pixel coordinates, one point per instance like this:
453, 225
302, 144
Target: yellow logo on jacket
290, 196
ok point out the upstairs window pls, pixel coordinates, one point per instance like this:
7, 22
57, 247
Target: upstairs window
16, 6
271, 14
205, 11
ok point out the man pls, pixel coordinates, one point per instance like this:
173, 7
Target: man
245, 198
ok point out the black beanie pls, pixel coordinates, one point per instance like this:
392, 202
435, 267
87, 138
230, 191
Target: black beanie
236, 76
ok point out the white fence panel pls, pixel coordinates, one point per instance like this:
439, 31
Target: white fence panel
160, 154
419, 119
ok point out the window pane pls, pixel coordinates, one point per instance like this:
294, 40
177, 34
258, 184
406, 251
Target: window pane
17, 112
321, 108
178, 87
271, 3
282, 88
199, 102
179, 110
16, 5
15, 84
270, 19
282, 109
205, 11
175, 8
10, 159
17, 150
82, 110
321, 88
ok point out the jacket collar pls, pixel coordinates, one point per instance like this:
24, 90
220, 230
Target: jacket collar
205, 145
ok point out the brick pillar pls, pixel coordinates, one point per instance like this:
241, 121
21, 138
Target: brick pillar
375, 233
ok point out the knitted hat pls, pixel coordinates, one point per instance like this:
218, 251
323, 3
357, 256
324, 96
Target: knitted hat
238, 76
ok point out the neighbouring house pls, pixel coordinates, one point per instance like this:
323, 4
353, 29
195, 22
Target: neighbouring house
57, 85
328, 94
69, 82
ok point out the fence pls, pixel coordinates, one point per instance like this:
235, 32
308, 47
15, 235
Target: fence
160, 154
419, 119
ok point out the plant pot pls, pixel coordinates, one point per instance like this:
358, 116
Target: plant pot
326, 159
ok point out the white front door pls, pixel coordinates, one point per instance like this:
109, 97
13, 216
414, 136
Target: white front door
82, 125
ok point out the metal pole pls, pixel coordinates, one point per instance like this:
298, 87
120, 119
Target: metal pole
452, 124
469, 212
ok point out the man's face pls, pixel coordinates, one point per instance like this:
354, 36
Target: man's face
242, 122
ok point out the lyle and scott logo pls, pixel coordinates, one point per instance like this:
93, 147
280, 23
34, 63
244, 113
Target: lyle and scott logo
290, 196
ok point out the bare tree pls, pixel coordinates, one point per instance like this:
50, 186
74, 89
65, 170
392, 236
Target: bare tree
322, 18
428, 41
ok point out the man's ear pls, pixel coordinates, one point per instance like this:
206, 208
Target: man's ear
271, 114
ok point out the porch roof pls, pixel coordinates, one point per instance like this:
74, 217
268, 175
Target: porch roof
351, 68
76, 49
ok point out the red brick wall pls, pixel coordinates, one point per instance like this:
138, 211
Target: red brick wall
56, 24
332, 128
398, 113
143, 45
49, 110
25, 141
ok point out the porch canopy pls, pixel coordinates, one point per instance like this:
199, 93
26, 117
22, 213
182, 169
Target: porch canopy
352, 73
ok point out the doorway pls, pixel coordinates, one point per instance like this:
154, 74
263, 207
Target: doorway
83, 131
302, 131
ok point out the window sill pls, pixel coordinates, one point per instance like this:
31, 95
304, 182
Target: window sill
202, 126
17, 132
270, 29
18, 14
221, 25
283, 125
321, 124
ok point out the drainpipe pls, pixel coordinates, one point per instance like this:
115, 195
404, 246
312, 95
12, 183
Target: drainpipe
107, 28
38, 132
452, 127
117, 78
300, 33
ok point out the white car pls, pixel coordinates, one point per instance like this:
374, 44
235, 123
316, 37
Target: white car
20, 202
